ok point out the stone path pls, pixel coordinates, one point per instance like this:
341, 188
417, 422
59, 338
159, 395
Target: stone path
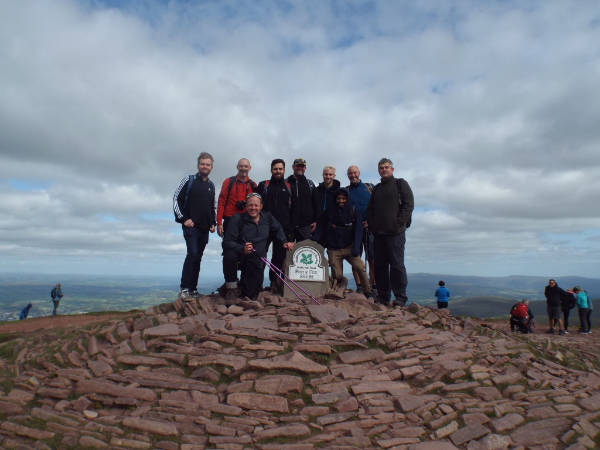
276, 374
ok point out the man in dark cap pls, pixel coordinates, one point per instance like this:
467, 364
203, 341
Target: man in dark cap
305, 202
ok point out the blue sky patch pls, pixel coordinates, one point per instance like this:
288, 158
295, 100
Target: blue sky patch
28, 185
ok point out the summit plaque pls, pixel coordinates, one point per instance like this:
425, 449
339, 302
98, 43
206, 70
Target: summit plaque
307, 266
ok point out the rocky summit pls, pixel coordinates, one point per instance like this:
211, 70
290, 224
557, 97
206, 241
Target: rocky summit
279, 374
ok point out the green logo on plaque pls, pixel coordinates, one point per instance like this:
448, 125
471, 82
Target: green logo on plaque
306, 258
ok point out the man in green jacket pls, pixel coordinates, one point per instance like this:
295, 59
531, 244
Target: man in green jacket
388, 216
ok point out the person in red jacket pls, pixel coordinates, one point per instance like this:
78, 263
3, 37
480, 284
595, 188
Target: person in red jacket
232, 201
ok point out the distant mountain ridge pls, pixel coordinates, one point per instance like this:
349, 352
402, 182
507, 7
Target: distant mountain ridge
87, 293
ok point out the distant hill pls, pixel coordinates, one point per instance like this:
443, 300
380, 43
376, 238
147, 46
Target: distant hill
477, 296
421, 286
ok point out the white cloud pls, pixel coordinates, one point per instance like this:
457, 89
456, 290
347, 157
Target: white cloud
489, 110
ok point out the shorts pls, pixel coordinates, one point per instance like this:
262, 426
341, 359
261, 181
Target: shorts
554, 312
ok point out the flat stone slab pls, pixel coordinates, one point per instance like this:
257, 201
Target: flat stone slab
507, 422
100, 368
141, 360
591, 403
361, 356
115, 390
393, 387
328, 313
22, 430
469, 433
286, 431
252, 323
278, 384
540, 432
263, 402
151, 426
293, 360
234, 361
167, 329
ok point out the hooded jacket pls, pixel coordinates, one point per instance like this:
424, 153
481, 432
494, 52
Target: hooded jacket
327, 196
305, 201
277, 200
343, 228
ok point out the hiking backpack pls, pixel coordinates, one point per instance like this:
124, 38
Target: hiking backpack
520, 311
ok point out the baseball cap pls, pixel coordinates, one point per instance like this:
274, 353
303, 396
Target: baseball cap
299, 162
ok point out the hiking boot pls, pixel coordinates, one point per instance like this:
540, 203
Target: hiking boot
360, 290
566, 332
550, 331
561, 332
195, 294
185, 294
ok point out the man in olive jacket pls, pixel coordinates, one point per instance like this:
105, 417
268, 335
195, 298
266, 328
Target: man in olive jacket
388, 216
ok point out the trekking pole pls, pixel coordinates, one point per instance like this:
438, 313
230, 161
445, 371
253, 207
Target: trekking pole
280, 273
287, 280
272, 267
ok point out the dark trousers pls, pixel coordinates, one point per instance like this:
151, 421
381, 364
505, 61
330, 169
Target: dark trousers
566, 313
56, 302
195, 241
390, 273
442, 305
229, 269
584, 319
253, 269
277, 258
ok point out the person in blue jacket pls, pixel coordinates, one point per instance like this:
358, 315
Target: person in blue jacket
443, 295
25, 312
583, 305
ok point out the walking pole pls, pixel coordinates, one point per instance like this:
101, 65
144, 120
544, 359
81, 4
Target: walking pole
283, 277
280, 273
272, 267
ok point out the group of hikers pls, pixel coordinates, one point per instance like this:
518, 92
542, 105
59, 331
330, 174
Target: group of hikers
251, 217
559, 303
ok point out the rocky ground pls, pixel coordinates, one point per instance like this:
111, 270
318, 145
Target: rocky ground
277, 374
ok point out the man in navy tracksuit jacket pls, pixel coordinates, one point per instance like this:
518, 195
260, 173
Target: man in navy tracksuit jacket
194, 208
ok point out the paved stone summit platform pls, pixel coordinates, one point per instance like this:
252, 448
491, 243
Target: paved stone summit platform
278, 374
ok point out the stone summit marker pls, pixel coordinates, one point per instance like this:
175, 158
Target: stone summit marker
307, 266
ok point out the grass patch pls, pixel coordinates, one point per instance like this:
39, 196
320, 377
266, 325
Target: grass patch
9, 351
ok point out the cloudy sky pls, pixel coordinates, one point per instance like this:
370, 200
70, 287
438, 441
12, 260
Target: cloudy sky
490, 110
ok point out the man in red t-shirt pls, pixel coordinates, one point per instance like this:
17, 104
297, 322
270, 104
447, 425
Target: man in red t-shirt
232, 200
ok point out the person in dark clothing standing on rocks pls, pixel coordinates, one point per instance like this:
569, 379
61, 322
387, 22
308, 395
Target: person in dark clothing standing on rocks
57, 295
326, 191
245, 242
343, 232
388, 216
567, 302
194, 208
554, 297
277, 200
305, 202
